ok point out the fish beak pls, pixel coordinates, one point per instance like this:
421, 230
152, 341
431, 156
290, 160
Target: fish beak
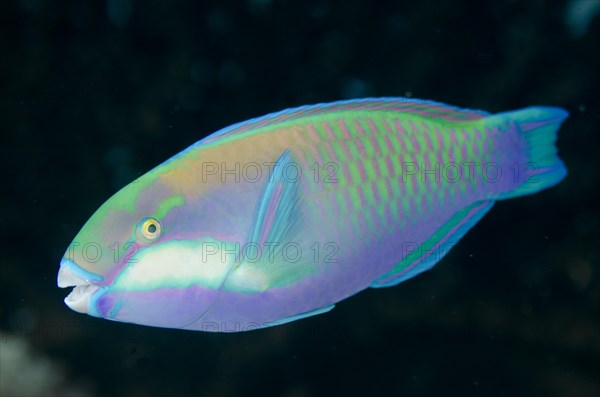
78, 298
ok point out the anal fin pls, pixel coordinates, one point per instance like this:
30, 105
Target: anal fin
433, 250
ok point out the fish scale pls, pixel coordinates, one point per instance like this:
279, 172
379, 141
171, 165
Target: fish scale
354, 160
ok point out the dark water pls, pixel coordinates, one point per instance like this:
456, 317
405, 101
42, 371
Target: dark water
96, 93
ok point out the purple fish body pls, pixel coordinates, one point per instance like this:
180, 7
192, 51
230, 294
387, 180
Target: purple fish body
279, 218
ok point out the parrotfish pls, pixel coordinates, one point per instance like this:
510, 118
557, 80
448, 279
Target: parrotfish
280, 217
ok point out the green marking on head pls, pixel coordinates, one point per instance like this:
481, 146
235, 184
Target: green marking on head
166, 205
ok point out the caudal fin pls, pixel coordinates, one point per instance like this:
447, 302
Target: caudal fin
539, 125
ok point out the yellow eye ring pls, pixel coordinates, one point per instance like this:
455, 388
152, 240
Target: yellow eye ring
148, 230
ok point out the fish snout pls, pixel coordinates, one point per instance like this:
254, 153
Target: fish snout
71, 275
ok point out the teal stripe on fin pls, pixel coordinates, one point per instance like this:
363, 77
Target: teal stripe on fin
433, 250
299, 316
276, 211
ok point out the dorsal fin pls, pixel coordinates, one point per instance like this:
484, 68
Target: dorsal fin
395, 104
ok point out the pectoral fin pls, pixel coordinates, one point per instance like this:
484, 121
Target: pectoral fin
276, 211
276, 217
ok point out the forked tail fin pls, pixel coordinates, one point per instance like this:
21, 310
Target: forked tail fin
539, 125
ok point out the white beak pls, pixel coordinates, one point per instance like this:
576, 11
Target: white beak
78, 298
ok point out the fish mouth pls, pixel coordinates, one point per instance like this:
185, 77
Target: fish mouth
79, 297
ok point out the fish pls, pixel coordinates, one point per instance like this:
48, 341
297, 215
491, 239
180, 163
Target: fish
281, 217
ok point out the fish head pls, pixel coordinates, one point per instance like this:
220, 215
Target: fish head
145, 258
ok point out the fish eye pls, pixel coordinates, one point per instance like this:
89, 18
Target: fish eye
148, 230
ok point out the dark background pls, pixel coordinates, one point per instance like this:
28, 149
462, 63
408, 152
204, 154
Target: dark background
94, 93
